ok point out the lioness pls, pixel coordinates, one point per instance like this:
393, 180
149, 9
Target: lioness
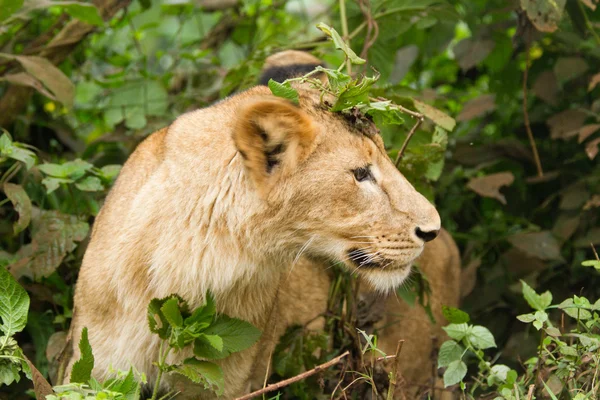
223, 200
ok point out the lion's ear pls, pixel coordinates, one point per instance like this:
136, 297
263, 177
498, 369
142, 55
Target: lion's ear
273, 136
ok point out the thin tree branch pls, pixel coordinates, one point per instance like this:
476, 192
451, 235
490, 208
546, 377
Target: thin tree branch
296, 378
536, 156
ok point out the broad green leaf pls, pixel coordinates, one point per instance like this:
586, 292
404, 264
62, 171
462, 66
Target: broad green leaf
284, 90
85, 12
90, 184
7, 8
454, 315
14, 304
340, 44
128, 386
237, 335
21, 203
170, 309
207, 373
536, 301
82, 369
498, 374
455, 372
457, 331
110, 172
438, 117
481, 338
71, 169
215, 341
574, 311
450, 351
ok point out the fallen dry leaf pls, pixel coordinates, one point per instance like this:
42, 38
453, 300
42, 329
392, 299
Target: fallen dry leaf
591, 149
545, 15
520, 264
41, 387
566, 124
567, 68
546, 87
586, 131
477, 107
542, 245
566, 224
489, 186
471, 51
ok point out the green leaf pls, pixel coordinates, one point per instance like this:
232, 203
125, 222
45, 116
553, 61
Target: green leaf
9, 7
170, 309
284, 90
438, 117
481, 338
82, 369
215, 341
14, 304
21, 203
455, 372
72, 169
207, 373
454, 315
340, 44
13, 150
203, 314
237, 335
157, 322
536, 301
90, 184
356, 93
457, 331
527, 318
592, 263
450, 351
85, 12
574, 311
52, 184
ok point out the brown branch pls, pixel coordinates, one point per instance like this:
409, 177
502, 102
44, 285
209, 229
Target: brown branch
530, 392
394, 373
405, 144
536, 156
296, 378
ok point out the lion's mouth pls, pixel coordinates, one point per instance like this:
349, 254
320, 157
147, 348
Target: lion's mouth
361, 259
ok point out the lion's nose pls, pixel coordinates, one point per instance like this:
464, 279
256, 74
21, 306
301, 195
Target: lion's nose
427, 236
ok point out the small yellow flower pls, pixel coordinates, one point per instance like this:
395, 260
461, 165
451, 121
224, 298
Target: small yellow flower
50, 107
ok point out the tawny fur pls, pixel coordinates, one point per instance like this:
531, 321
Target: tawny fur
189, 214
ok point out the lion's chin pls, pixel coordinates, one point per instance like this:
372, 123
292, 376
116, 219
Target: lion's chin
386, 280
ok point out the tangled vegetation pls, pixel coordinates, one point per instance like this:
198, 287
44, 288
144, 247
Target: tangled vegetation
490, 108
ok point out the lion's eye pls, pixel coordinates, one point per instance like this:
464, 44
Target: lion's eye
362, 174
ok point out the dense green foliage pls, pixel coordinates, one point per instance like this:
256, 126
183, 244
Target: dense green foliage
81, 85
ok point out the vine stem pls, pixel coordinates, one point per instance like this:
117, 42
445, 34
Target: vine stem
536, 156
346, 37
394, 372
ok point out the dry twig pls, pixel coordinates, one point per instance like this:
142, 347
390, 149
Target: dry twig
293, 379
394, 372
536, 156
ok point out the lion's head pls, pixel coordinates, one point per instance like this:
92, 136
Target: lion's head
331, 187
